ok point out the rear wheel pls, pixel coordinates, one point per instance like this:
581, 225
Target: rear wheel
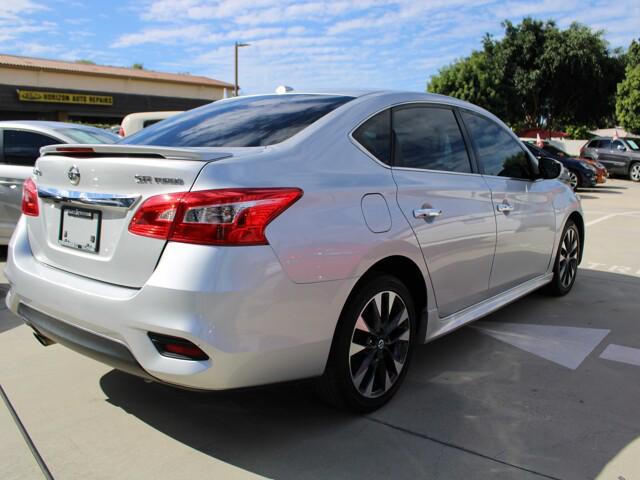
372, 346
634, 172
567, 259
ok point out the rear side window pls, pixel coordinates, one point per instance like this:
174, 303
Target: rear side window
23, 148
499, 152
429, 138
593, 144
604, 144
242, 122
375, 136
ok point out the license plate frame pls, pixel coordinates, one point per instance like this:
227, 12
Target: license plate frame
78, 217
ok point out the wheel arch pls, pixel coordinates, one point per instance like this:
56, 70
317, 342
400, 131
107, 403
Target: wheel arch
408, 272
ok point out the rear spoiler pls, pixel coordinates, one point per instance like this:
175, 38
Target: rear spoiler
139, 151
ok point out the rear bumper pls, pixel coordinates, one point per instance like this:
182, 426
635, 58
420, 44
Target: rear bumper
236, 304
82, 341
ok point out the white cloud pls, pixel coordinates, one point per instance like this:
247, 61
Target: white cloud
14, 8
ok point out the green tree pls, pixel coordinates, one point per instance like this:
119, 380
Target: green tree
628, 98
137, 66
632, 56
472, 79
538, 75
83, 61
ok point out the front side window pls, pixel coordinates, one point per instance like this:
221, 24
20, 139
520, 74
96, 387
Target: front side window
240, 122
429, 138
375, 136
617, 144
23, 148
498, 151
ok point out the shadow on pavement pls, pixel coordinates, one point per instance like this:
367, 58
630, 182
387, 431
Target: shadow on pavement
468, 398
598, 190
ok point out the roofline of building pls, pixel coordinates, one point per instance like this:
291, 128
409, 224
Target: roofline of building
21, 63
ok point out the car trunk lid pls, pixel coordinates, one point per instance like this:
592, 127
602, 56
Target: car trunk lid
87, 197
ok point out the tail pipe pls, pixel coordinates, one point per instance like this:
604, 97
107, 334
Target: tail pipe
44, 341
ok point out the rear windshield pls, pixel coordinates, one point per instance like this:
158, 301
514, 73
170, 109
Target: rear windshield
79, 135
242, 122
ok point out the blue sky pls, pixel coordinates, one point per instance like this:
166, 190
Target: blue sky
306, 44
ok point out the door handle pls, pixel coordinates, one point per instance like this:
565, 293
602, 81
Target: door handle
504, 207
427, 213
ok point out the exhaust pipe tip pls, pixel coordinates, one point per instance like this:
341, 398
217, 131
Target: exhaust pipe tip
44, 341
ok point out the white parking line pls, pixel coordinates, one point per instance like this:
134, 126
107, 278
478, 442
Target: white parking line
619, 353
611, 215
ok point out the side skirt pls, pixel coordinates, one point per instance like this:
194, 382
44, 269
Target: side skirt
441, 326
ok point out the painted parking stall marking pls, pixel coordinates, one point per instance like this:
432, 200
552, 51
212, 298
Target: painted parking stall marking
620, 353
566, 346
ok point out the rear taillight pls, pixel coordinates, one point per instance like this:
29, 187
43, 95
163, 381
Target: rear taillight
121, 132
213, 217
30, 198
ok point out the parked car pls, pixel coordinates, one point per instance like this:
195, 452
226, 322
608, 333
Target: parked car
269, 238
581, 173
20, 143
601, 171
621, 156
134, 122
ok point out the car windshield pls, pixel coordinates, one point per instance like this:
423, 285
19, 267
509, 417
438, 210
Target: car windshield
556, 150
633, 143
243, 122
81, 135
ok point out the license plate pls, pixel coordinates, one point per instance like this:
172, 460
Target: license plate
80, 229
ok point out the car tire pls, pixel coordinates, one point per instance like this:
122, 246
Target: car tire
565, 268
369, 358
574, 180
634, 172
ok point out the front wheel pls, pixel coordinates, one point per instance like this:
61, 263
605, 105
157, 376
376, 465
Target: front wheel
634, 172
372, 346
574, 180
566, 265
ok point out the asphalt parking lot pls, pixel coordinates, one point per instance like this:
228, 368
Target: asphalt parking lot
545, 388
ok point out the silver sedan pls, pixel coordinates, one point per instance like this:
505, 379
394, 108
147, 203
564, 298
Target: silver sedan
270, 238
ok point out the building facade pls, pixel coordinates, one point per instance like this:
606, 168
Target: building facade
39, 89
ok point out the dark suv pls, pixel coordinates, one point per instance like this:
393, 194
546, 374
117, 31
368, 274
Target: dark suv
620, 155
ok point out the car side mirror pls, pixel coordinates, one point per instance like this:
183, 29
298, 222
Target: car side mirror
549, 168
621, 148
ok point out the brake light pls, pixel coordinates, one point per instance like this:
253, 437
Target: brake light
213, 217
74, 149
30, 198
121, 132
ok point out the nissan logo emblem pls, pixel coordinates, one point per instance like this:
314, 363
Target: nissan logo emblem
74, 175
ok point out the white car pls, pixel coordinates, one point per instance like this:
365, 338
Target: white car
134, 122
270, 238
20, 143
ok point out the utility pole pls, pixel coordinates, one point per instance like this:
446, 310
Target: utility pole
237, 46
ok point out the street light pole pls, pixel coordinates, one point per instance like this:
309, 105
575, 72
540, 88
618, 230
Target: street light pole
237, 46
